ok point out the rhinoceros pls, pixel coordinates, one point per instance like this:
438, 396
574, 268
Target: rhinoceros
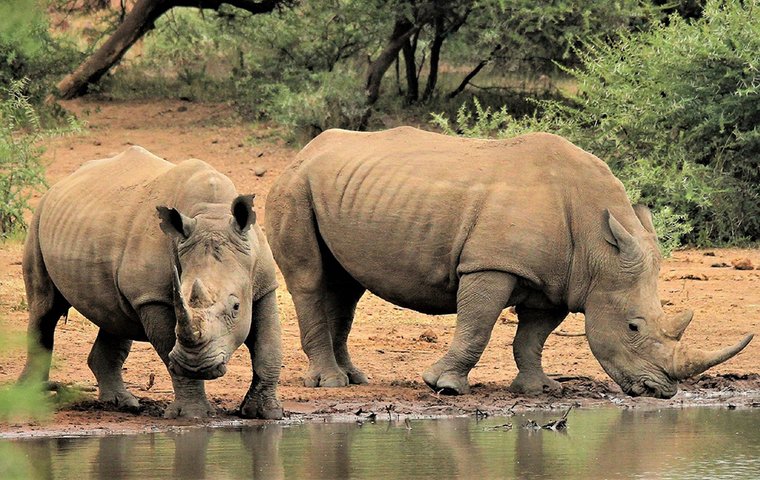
441, 225
149, 250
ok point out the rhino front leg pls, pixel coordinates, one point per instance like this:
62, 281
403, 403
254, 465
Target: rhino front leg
480, 299
106, 360
533, 329
189, 394
265, 346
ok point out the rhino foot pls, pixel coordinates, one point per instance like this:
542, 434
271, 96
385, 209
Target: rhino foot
526, 384
186, 409
120, 398
356, 377
447, 382
316, 378
264, 407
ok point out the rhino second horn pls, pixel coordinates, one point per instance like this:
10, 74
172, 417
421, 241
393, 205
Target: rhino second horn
688, 362
678, 325
199, 296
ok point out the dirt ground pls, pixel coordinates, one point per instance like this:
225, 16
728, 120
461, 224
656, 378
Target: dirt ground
386, 340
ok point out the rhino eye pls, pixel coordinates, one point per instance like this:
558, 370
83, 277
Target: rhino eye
234, 305
633, 327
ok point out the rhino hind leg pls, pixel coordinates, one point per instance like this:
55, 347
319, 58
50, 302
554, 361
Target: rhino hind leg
106, 360
323, 293
333, 311
342, 293
480, 299
533, 329
46, 307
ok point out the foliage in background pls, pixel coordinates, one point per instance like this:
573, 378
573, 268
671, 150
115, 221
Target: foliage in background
27, 49
21, 170
674, 112
525, 35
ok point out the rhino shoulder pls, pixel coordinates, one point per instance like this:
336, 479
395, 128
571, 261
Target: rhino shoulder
264, 276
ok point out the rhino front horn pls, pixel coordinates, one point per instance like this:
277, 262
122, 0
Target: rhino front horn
688, 362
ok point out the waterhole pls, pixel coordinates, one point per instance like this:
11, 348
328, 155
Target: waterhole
606, 443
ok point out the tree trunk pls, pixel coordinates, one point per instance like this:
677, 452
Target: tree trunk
402, 30
435, 56
468, 78
138, 21
412, 83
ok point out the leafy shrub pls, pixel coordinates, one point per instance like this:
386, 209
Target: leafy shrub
674, 113
21, 170
27, 50
327, 100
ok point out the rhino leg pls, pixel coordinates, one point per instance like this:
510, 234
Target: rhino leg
189, 394
339, 303
480, 299
265, 346
105, 360
533, 329
46, 307
323, 293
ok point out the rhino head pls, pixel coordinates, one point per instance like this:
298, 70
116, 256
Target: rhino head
636, 344
212, 285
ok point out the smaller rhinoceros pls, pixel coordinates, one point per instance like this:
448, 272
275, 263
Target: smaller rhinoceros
441, 225
195, 278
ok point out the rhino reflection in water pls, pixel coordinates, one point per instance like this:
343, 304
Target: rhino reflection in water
442, 225
197, 280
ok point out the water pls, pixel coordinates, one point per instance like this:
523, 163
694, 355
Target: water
609, 443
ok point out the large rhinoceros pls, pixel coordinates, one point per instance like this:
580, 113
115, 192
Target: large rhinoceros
441, 224
197, 291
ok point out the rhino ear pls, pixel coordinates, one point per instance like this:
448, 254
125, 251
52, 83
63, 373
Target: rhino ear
616, 235
174, 223
645, 217
242, 211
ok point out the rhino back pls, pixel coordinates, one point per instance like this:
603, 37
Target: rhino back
406, 212
100, 238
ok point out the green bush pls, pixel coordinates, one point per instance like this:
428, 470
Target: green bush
674, 112
27, 49
21, 171
327, 100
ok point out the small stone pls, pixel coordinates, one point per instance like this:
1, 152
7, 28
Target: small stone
742, 264
709, 254
720, 265
429, 336
665, 301
215, 140
259, 171
182, 108
693, 276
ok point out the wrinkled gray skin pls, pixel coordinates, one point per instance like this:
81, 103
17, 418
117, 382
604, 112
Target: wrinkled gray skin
149, 250
441, 225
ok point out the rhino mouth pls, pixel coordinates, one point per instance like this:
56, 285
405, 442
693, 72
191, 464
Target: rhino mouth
648, 388
208, 368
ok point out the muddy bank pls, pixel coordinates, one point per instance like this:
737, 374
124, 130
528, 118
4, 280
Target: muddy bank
94, 418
